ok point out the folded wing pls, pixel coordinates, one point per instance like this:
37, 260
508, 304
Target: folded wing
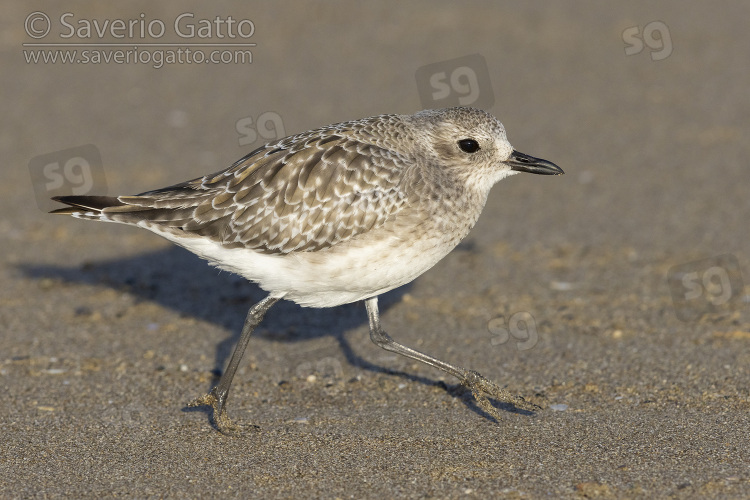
302, 193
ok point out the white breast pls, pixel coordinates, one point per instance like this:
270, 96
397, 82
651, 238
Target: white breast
368, 266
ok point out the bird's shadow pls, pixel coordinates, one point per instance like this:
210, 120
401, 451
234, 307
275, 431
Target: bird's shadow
179, 280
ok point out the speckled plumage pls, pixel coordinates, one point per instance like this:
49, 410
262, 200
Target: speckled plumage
330, 208
335, 215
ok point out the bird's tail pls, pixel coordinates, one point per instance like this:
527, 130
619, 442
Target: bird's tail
86, 207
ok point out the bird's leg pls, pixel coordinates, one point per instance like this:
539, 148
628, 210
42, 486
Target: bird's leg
217, 398
479, 386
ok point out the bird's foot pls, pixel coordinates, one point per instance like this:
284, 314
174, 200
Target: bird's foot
481, 388
221, 420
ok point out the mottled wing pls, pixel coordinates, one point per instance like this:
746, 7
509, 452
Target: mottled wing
303, 193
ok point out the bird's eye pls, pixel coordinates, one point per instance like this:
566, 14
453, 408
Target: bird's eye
468, 145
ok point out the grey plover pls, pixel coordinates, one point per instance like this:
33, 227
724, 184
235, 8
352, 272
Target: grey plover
336, 215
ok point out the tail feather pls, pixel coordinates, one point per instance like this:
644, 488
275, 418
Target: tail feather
114, 209
86, 207
88, 203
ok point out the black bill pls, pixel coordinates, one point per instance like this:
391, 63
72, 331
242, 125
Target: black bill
525, 163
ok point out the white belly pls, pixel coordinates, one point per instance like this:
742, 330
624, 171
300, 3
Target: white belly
348, 272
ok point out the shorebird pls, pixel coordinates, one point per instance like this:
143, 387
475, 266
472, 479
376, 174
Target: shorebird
336, 215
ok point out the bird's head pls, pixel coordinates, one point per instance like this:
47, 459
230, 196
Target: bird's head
472, 144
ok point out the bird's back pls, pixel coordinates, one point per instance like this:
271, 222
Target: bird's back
301, 193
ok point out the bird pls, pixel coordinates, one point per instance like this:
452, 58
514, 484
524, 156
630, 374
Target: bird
336, 215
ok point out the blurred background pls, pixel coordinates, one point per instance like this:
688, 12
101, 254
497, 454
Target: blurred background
613, 296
